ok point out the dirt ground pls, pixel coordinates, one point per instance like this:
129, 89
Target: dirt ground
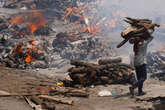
21, 81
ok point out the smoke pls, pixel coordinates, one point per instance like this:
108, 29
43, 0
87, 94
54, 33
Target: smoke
151, 9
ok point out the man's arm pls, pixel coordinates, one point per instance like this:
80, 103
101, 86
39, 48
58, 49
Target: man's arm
149, 40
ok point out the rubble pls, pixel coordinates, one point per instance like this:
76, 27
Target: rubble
89, 49
86, 74
27, 35
156, 64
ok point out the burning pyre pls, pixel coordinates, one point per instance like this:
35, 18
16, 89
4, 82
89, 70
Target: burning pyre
34, 39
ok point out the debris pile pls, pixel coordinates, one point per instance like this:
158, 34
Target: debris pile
42, 38
88, 49
156, 64
137, 29
39, 4
18, 46
107, 71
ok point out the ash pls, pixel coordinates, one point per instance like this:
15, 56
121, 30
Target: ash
156, 64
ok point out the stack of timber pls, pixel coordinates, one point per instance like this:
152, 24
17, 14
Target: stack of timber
107, 71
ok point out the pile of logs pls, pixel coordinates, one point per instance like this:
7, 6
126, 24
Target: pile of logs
137, 29
107, 71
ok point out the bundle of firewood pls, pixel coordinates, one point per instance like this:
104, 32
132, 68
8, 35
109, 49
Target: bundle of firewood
107, 71
138, 28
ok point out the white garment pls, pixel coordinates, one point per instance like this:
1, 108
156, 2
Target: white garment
140, 58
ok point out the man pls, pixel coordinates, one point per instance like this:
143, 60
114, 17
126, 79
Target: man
140, 50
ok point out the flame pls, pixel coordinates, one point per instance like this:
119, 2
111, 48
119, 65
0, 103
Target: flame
69, 11
36, 20
17, 20
27, 49
33, 20
91, 29
29, 58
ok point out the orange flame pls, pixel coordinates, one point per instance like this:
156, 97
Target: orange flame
28, 58
34, 20
17, 20
91, 29
29, 51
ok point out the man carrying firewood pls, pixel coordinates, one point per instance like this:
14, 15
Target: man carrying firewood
140, 49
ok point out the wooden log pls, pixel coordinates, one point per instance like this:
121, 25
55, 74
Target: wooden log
77, 70
122, 43
77, 77
63, 101
47, 106
107, 66
126, 65
70, 92
36, 100
104, 79
139, 20
109, 61
82, 64
13, 95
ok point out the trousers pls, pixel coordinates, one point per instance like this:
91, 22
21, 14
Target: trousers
141, 74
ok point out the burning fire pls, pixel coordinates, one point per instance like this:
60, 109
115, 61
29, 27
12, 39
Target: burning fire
18, 20
33, 20
36, 20
70, 11
27, 50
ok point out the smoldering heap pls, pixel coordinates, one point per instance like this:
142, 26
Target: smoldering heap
107, 71
76, 31
90, 48
19, 49
156, 64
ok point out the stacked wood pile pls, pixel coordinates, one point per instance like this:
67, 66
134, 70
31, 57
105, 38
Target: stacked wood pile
107, 71
137, 29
